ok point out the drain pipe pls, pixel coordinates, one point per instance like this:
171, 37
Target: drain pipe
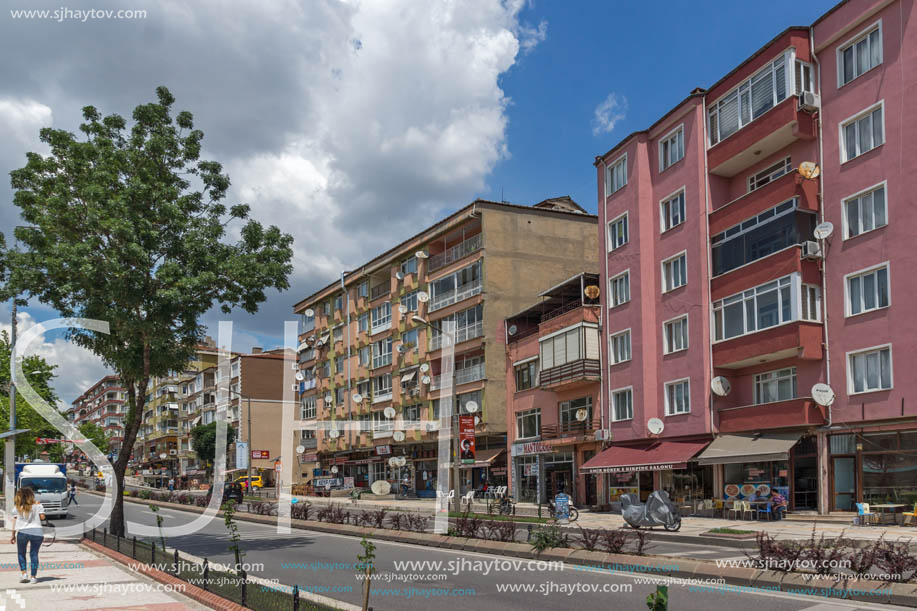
605, 498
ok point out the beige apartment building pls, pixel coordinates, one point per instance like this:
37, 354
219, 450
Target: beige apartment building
363, 350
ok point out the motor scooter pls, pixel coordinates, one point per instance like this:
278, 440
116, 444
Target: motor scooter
658, 511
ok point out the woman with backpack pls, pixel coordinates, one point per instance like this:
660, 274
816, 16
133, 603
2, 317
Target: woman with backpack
27, 516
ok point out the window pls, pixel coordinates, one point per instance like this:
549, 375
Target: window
748, 101
619, 289
528, 424
803, 80
382, 352
622, 402
363, 289
568, 410
862, 133
865, 212
759, 308
811, 303
411, 413
619, 347
526, 375
409, 266
673, 211
382, 385
326, 307
339, 393
339, 364
675, 335
325, 371
677, 397
769, 174
365, 356
410, 300
672, 148
774, 386
859, 55
870, 370
382, 317
339, 302
462, 401
617, 233
338, 333
867, 291
615, 176
409, 339
381, 424
461, 285
567, 346
674, 272
363, 321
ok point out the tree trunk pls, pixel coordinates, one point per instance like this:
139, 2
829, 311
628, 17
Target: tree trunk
136, 399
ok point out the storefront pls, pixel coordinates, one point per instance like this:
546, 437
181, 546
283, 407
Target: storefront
873, 467
487, 467
528, 470
753, 466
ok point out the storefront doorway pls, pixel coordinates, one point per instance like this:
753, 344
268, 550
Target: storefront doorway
646, 485
558, 470
845, 482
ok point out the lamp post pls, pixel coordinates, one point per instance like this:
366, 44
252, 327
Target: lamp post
446, 392
249, 436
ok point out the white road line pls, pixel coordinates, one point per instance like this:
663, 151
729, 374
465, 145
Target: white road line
698, 552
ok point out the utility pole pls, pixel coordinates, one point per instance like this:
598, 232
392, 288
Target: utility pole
9, 483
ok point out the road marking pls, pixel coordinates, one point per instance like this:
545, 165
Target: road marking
694, 552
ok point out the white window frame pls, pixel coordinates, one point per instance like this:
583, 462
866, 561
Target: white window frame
408, 266
381, 357
666, 348
806, 307
612, 356
621, 218
612, 294
384, 322
847, 201
673, 135
791, 280
665, 212
409, 300
848, 305
851, 42
610, 169
842, 140
786, 166
618, 391
669, 408
528, 413
774, 377
863, 352
670, 260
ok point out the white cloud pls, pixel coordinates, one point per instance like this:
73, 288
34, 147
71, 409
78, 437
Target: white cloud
20, 120
607, 114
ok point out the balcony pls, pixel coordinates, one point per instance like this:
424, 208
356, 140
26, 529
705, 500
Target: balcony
570, 374
466, 375
461, 293
461, 335
379, 397
309, 444
570, 429
795, 412
796, 339
784, 188
777, 128
380, 290
451, 255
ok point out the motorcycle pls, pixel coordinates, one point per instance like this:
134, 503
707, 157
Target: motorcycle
658, 511
574, 513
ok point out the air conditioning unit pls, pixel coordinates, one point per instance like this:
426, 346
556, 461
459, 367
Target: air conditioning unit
811, 250
415, 392
602, 435
808, 101
173, 452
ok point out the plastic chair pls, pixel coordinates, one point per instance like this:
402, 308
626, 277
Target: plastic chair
747, 508
866, 516
910, 517
767, 510
736, 508
468, 499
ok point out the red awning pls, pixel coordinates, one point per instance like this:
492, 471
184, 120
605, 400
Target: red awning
655, 456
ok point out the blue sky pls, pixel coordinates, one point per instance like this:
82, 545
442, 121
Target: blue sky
651, 53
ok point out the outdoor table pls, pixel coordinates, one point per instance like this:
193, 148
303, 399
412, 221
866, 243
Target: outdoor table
755, 504
888, 512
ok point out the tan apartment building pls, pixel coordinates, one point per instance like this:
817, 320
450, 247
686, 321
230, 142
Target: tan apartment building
374, 340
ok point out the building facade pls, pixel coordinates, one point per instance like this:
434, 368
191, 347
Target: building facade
103, 404
374, 340
715, 277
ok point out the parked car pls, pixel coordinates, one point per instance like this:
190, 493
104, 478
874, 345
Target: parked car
257, 482
231, 492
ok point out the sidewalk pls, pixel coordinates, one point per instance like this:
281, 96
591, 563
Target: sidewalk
93, 581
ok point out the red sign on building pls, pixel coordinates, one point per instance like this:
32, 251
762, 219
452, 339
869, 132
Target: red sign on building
466, 438
261, 454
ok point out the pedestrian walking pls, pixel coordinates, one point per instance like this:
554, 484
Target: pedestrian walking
72, 498
28, 514
171, 484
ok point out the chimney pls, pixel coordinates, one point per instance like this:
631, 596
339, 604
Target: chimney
257, 350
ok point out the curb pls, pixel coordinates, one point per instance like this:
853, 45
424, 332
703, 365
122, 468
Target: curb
195, 593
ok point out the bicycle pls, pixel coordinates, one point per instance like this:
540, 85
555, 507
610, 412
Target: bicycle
505, 506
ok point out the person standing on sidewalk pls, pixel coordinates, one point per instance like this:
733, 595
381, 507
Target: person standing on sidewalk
72, 498
28, 514
171, 484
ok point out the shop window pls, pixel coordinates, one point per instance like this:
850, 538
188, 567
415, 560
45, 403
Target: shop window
842, 444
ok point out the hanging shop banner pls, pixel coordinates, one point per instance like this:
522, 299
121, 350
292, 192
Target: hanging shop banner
466, 438
383, 450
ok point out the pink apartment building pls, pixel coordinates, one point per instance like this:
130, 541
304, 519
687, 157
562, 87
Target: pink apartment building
714, 271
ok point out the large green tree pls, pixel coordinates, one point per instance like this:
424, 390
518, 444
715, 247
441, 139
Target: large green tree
96, 434
204, 441
128, 226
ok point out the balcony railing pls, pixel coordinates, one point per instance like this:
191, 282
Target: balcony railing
462, 376
379, 397
309, 444
454, 296
461, 335
451, 255
571, 372
380, 290
570, 429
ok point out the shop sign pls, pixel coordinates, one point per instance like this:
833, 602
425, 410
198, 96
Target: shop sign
466, 438
631, 468
348, 482
498, 470
308, 457
324, 482
383, 450
532, 447
529, 470
261, 454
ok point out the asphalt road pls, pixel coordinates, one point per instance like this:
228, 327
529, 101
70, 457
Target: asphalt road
314, 559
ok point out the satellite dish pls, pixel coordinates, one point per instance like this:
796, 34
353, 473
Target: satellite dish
300, 449
389, 412
329, 399
471, 407
809, 169
477, 421
381, 487
581, 414
398, 435
421, 254
424, 368
655, 425
824, 230
592, 291
300, 376
309, 312
512, 329
334, 433
823, 394
357, 397
402, 308
399, 275
720, 386
400, 348
334, 469
426, 379
402, 461
393, 462
163, 456
423, 297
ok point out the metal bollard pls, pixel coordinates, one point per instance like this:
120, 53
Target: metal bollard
118, 543
528, 535
176, 563
296, 597
134, 548
153, 552
206, 573
105, 537
244, 588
